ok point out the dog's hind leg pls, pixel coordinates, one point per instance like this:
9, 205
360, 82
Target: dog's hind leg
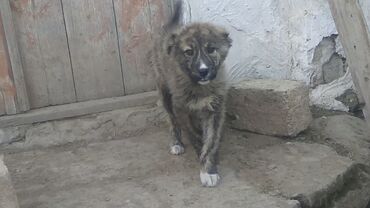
176, 146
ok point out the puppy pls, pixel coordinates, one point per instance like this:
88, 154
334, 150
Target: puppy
188, 61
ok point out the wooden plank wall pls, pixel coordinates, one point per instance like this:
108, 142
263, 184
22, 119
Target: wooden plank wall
78, 50
44, 51
133, 26
13, 70
7, 87
94, 49
136, 22
355, 38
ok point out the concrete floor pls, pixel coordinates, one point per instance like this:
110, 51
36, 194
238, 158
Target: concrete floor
120, 159
138, 172
132, 172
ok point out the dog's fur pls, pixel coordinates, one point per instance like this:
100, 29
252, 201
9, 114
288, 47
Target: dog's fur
194, 101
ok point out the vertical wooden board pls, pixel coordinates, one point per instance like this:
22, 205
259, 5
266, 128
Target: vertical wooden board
134, 34
15, 68
44, 50
94, 51
355, 38
2, 104
7, 87
160, 12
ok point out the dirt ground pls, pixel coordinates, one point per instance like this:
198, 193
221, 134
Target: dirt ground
321, 168
132, 172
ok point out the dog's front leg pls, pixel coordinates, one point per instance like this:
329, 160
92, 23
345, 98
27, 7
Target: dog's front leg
212, 132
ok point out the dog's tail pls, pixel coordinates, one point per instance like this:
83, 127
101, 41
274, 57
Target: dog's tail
176, 18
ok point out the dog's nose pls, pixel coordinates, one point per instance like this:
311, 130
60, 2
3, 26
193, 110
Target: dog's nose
203, 72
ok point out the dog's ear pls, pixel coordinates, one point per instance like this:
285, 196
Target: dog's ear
171, 43
226, 36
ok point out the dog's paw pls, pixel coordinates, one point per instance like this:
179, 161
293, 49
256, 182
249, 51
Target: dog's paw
209, 180
177, 149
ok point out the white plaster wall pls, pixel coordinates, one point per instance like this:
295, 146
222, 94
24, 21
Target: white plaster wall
275, 39
261, 43
365, 4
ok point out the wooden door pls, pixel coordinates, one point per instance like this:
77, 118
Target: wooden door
78, 50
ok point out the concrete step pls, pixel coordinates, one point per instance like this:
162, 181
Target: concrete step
138, 172
350, 137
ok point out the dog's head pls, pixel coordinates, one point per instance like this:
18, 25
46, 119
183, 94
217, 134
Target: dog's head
200, 49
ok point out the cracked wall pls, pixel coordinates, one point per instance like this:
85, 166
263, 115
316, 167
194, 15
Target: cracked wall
275, 39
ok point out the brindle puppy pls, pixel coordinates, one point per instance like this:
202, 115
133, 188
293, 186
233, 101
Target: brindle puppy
187, 60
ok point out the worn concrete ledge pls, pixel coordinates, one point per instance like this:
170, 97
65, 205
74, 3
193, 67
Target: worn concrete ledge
8, 198
270, 107
356, 189
78, 109
348, 135
313, 174
101, 126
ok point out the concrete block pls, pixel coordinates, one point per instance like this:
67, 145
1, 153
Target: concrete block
8, 199
271, 107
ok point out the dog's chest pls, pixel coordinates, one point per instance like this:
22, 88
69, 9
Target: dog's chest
204, 100
201, 103
197, 98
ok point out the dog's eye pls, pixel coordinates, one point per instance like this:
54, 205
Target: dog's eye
189, 52
211, 50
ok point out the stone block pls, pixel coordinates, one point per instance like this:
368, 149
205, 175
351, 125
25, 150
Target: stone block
270, 107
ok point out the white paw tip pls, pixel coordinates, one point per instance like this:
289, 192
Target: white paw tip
177, 149
209, 180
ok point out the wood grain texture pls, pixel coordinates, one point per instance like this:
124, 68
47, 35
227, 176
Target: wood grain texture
44, 49
94, 49
7, 87
160, 12
21, 103
134, 26
2, 105
354, 35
